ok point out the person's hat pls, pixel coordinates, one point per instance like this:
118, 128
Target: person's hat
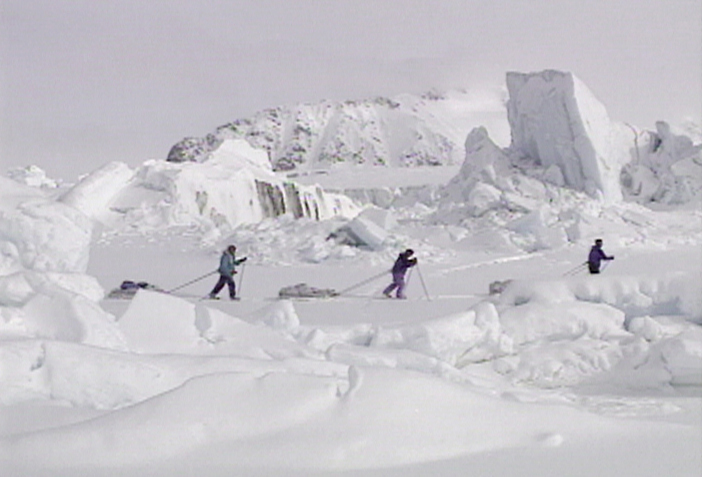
409, 251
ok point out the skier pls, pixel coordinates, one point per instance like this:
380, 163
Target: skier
596, 256
403, 263
227, 265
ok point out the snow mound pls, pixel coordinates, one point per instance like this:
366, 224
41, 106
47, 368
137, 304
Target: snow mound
37, 233
282, 316
586, 330
32, 176
460, 339
60, 307
157, 323
672, 293
328, 423
366, 230
44, 292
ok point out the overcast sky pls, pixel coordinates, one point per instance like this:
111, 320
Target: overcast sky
83, 83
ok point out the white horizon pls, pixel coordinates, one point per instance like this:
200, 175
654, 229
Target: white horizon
85, 84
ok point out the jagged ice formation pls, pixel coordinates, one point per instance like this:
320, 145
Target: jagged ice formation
404, 131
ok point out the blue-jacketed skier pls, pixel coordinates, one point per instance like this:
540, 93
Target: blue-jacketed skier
403, 263
227, 270
596, 256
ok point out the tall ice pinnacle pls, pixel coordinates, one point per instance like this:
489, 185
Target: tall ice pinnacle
556, 120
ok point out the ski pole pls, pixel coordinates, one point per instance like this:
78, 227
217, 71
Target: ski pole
409, 275
375, 277
191, 282
241, 277
421, 279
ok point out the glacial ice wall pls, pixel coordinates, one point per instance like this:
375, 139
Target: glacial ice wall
556, 120
234, 186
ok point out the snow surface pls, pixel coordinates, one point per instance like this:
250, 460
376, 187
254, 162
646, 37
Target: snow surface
562, 373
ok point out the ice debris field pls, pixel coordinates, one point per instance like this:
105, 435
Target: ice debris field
507, 358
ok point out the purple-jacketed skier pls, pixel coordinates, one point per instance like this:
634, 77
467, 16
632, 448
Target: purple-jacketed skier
596, 256
403, 263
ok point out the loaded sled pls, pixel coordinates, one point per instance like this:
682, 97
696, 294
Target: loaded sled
128, 289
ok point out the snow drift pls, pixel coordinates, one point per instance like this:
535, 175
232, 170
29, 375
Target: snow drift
44, 291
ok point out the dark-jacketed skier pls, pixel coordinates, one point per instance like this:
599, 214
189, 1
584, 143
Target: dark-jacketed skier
227, 270
403, 263
596, 256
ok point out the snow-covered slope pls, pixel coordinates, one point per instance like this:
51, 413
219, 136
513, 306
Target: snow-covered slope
406, 130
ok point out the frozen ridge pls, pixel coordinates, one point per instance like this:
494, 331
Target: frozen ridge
406, 130
234, 186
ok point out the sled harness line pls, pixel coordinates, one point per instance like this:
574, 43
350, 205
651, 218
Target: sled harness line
375, 277
192, 281
575, 270
368, 280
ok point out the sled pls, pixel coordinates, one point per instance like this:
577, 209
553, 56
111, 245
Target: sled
303, 290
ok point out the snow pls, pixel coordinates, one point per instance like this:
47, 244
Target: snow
556, 372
